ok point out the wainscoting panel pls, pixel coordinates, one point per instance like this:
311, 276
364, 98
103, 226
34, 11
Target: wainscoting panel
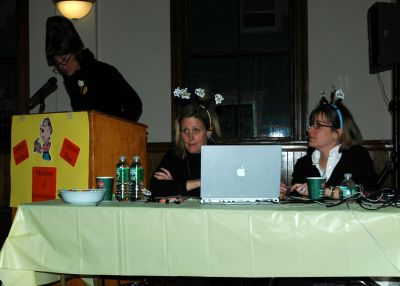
291, 152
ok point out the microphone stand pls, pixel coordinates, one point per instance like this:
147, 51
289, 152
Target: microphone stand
393, 165
39, 96
42, 106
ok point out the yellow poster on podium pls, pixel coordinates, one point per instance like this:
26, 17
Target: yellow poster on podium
49, 152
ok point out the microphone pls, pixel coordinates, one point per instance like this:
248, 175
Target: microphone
43, 92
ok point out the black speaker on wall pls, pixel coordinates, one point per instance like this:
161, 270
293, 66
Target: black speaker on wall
383, 36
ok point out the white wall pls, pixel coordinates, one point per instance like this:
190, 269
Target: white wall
338, 55
134, 36
140, 49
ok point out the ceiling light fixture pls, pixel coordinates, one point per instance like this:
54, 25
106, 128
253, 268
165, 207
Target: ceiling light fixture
74, 9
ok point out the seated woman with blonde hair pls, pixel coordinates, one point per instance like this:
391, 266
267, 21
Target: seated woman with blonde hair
179, 171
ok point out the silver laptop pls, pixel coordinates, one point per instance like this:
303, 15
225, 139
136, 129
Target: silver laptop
240, 174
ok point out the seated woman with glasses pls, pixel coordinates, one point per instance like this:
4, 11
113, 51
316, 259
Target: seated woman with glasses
90, 84
179, 170
334, 142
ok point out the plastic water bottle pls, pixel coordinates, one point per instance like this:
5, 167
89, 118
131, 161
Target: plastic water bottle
348, 187
136, 180
122, 179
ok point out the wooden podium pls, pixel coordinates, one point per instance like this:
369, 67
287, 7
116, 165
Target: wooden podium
82, 146
111, 137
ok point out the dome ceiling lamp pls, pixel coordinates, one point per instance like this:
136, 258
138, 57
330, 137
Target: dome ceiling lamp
74, 9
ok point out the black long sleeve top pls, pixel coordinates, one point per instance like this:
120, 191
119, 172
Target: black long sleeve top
181, 171
100, 86
355, 160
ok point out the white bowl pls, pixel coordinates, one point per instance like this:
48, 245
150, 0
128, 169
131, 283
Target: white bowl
82, 196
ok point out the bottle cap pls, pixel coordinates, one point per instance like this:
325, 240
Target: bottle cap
347, 176
122, 158
136, 158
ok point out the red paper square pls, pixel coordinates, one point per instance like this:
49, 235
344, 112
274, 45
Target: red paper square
69, 152
20, 152
43, 183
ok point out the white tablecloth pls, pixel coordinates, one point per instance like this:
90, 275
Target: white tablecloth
190, 239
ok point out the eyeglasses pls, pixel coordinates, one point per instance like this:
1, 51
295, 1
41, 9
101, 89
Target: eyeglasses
194, 131
317, 125
62, 60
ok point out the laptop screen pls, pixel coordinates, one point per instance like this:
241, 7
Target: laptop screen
240, 173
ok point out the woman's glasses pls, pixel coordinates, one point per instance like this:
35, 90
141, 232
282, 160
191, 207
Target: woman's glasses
317, 125
61, 60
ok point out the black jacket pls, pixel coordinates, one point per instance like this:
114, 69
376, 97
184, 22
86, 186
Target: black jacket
355, 160
181, 170
99, 86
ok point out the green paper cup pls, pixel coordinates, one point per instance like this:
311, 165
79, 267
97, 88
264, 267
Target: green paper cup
316, 188
106, 183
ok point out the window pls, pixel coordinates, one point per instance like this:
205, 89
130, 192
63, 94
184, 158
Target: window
253, 52
260, 16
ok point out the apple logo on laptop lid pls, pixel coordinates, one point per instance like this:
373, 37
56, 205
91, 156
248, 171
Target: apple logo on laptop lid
241, 172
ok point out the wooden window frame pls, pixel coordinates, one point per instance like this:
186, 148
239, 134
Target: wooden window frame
23, 57
299, 66
22, 65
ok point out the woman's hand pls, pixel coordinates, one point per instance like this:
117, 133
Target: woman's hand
163, 174
192, 184
283, 191
302, 189
332, 192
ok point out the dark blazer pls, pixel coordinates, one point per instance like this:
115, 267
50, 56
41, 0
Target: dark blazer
181, 170
355, 160
100, 86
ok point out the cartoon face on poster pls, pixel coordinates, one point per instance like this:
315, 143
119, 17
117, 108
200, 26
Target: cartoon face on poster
42, 144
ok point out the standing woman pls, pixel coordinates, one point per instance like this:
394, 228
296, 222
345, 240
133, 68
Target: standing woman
91, 84
197, 125
334, 142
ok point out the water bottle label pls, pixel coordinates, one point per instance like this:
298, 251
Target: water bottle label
345, 191
136, 174
122, 174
